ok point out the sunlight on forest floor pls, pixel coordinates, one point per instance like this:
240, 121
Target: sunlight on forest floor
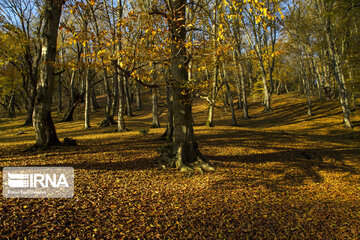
281, 175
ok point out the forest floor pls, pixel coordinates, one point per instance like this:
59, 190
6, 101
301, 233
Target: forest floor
279, 175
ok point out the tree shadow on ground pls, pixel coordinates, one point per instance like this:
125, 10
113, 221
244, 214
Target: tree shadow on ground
134, 165
291, 167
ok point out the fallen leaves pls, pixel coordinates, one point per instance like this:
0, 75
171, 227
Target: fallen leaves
268, 185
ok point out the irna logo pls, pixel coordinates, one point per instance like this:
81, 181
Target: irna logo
36, 180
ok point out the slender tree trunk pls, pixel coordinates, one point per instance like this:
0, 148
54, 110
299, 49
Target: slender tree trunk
138, 99
266, 93
87, 99
120, 121
68, 116
229, 97
238, 90
109, 104
210, 117
338, 74
59, 106
121, 111
11, 107
155, 113
127, 97
31, 100
115, 102
244, 95
168, 135
43, 124
306, 87
94, 104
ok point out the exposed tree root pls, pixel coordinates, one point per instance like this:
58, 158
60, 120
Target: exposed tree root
185, 159
154, 125
107, 123
66, 142
122, 130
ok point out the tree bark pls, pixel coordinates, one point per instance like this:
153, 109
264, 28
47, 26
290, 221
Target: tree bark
168, 135
43, 123
127, 96
87, 100
121, 111
155, 113
115, 103
11, 107
138, 94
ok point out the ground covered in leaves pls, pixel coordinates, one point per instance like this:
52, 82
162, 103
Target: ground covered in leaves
280, 175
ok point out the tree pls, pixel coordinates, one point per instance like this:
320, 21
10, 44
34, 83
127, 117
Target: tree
43, 123
184, 153
21, 21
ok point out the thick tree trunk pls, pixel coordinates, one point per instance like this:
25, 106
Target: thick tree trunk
43, 124
155, 113
184, 153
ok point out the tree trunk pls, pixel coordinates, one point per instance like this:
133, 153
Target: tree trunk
43, 124
120, 121
184, 153
210, 117
73, 100
338, 74
244, 95
168, 135
11, 107
109, 104
138, 99
127, 96
306, 87
115, 103
94, 104
155, 113
229, 97
266, 94
87, 99
31, 100
59, 106
121, 111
